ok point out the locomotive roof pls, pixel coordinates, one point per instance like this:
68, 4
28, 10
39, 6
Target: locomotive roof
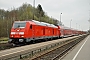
24, 21
38, 23
44, 24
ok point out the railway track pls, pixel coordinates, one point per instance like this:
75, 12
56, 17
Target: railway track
4, 46
7, 45
59, 52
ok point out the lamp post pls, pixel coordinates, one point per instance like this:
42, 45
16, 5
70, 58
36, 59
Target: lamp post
79, 27
60, 18
33, 8
89, 23
76, 25
70, 23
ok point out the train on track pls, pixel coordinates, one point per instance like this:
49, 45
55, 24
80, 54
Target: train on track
24, 32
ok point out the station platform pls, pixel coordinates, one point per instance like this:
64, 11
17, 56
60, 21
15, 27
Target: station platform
80, 52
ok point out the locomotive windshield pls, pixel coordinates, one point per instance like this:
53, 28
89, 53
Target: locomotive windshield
19, 25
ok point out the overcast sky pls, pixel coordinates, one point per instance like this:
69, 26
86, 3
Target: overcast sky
77, 10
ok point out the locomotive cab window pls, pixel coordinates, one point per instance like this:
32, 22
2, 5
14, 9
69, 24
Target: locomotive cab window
31, 26
19, 25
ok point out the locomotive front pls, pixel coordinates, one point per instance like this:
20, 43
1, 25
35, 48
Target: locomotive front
17, 33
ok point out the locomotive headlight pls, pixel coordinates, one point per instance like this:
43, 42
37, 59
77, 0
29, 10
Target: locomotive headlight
22, 36
12, 36
12, 32
22, 33
20, 40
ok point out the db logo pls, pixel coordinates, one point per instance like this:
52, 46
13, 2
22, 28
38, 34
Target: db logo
16, 33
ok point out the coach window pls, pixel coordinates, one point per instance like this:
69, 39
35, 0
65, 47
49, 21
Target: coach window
31, 26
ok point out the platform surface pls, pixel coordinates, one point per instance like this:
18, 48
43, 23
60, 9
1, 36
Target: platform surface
80, 52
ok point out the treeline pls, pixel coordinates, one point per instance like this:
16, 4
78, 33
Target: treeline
24, 12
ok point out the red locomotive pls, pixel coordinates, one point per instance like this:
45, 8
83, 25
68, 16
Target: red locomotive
27, 31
